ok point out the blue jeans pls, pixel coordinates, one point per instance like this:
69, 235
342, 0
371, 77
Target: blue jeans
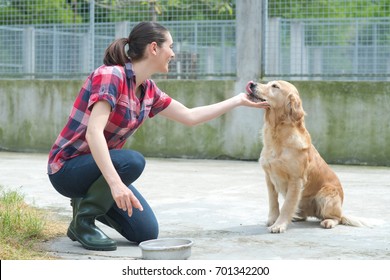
79, 173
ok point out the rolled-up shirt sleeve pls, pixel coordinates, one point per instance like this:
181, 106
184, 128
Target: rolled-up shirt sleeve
105, 86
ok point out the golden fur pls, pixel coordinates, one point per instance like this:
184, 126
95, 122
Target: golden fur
292, 165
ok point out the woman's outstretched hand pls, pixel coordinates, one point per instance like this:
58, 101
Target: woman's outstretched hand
245, 101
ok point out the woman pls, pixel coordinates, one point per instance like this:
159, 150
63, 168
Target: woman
86, 162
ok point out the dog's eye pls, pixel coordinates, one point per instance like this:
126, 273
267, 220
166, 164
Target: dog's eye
275, 86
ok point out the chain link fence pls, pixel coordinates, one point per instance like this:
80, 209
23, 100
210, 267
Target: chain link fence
67, 38
304, 39
328, 40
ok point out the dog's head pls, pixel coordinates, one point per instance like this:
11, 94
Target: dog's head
281, 96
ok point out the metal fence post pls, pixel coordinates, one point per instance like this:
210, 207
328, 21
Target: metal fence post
29, 50
298, 54
273, 52
91, 44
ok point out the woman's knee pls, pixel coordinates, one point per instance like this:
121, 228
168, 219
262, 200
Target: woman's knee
147, 232
141, 228
128, 163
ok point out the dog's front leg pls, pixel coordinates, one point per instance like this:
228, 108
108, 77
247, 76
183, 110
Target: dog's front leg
273, 203
289, 206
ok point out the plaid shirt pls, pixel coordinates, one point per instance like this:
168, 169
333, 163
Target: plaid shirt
116, 85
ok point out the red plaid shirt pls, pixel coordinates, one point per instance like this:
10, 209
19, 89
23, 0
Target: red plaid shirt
116, 85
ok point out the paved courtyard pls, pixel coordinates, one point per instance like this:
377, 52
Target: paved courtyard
222, 206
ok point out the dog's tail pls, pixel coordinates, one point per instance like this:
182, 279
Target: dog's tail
360, 222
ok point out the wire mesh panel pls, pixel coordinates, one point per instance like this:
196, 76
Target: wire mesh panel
304, 39
67, 38
334, 39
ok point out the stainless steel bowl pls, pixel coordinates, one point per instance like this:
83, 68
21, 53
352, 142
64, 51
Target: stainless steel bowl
166, 249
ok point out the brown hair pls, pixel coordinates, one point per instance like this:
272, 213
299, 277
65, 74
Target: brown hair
140, 36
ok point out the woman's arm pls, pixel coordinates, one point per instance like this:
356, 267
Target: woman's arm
191, 117
124, 198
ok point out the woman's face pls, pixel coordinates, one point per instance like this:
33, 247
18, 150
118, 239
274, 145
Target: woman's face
165, 54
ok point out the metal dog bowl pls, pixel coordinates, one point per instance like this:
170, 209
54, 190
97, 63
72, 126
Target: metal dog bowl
166, 249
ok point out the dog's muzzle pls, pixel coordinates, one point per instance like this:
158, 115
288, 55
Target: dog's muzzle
251, 89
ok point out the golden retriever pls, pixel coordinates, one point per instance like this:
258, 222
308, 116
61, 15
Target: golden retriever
292, 165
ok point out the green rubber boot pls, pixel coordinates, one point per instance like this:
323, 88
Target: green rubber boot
74, 202
111, 223
96, 202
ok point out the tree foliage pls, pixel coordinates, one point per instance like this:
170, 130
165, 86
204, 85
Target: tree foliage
329, 8
76, 11
14, 12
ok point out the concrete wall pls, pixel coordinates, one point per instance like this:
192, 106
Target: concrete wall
349, 121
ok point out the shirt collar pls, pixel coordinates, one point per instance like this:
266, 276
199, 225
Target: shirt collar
129, 70
130, 74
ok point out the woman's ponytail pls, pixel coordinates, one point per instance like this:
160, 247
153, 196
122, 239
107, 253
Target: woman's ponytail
115, 53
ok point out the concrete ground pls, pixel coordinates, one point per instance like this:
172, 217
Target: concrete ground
222, 206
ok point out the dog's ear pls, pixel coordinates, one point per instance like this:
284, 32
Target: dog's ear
294, 108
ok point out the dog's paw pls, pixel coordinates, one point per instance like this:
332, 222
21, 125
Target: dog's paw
280, 228
329, 223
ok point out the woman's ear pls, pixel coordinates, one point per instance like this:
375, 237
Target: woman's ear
153, 48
